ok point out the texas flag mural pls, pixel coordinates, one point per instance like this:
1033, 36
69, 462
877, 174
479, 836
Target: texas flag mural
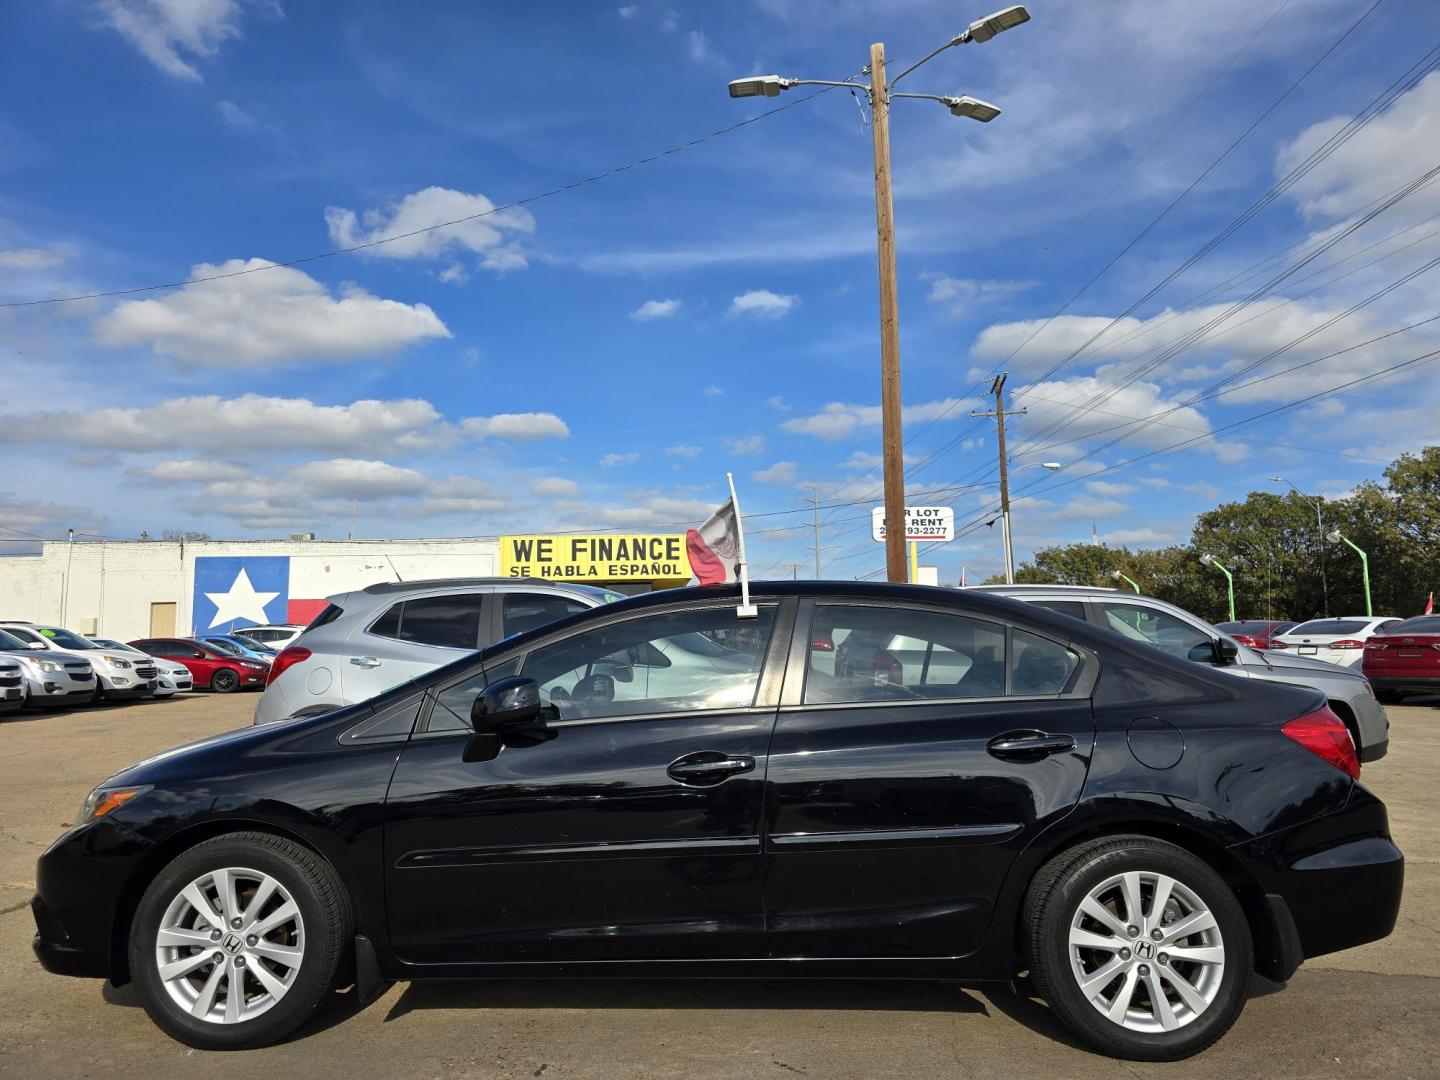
232, 592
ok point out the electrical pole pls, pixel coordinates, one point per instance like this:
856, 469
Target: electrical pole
794, 571
890, 413
998, 389
815, 511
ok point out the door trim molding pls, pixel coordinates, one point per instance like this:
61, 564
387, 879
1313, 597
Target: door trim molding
626, 849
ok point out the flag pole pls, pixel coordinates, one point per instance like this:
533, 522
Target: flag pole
746, 610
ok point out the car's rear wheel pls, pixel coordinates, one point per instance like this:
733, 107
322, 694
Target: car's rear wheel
1140, 947
224, 681
239, 941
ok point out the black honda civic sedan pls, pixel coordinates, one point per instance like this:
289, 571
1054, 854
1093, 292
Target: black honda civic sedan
859, 780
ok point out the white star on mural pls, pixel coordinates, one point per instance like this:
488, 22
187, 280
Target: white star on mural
241, 602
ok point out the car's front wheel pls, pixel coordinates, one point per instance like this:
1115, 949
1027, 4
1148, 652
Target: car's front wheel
238, 941
224, 681
1140, 947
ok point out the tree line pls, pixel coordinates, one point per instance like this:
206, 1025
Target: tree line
1284, 566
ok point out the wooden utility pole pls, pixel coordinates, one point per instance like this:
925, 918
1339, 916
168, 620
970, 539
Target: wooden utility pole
815, 511
998, 389
890, 414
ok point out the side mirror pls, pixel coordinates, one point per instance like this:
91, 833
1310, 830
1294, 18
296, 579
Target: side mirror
505, 703
36, 646
1217, 651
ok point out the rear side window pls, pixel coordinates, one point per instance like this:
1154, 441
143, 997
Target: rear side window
526, 611
451, 621
329, 615
1073, 608
1039, 665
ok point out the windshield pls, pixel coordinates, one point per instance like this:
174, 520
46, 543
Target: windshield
1249, 627
10, 643
1421, 624
65, 639
225, 646
118, 646
1329, 626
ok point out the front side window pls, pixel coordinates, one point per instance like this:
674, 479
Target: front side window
1153, 627
668, 662
890, 654
526, 611
451, 621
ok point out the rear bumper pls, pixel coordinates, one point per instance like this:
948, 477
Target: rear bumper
1329, 884
1415, 684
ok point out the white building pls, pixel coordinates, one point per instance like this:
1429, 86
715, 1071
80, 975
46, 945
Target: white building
131, 589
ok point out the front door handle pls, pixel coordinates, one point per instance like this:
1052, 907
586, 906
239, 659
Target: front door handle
708, 767
364, 661
1029, 745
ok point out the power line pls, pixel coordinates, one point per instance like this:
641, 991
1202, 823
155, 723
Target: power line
537, 197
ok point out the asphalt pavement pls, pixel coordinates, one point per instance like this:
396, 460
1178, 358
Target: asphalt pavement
1372, 1011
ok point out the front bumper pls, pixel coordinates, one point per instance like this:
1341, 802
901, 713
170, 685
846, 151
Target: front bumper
1330, 884
80, 883
11, 698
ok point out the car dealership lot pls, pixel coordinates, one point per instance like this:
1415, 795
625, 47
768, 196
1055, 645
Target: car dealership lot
1370, 1011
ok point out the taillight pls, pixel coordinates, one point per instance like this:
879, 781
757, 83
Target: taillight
1279, 644
822, 644
1325, 735
1374, 646
287, 658
1244, 639
1347, 643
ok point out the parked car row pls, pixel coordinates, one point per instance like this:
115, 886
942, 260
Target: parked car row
51, 667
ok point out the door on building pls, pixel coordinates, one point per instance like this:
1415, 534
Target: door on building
162, 620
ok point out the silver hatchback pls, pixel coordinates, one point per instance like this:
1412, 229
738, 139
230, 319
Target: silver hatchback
369, 640
1178, 632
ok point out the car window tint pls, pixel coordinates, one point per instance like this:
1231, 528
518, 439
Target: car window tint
526, 611
452, 704
896, 654
1073, 608
1153, 626
452, 621
1420, 624
1326, 627
651, 665
1039, 665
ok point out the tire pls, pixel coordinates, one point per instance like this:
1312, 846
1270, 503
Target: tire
261, 964
97, 696
224, 681
1097, 875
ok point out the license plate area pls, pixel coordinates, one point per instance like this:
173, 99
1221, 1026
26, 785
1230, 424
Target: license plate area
1307, 650
1411, 652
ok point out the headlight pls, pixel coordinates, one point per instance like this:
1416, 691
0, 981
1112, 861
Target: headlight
117, 661
50, 667
105, 799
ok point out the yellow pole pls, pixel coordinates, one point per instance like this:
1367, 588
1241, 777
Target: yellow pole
914, 563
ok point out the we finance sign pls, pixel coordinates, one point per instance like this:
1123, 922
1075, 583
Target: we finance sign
658, 558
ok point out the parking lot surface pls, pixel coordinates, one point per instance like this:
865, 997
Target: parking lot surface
1372, 1011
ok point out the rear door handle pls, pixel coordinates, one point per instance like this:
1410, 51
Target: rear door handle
708, 767
1029, 745
364, 661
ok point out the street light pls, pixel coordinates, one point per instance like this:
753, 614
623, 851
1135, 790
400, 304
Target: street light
1335, 538
1118, 576
1210, 560
879, 93
1320, 527
1005, 534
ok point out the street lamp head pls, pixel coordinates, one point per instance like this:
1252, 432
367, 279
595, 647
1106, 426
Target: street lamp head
1334, 536
1053, 466
1277, 479
759, 86
970, 107
1208, 560
982, 30
1116, 575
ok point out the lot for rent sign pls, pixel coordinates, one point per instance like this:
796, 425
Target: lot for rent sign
921, 523
657, 558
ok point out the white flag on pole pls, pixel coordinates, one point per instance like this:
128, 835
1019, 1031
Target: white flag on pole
717, 550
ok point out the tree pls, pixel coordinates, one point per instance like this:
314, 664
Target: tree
184, 535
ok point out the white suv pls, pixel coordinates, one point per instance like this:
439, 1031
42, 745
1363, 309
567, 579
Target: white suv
119, 676
49, 676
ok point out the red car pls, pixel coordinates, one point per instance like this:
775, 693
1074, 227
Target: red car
1404, 659
210, 667
1257, 633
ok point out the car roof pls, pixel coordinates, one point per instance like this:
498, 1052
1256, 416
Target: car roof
1046, 588
381, 588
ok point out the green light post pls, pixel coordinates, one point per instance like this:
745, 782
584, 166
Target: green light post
1335, 538
1118, 576
1209, 560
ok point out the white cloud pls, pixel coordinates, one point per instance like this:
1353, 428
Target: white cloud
959, 296
777, 403
485, 236
454, 274
520, 427
358, 477
655, 511
267, 316
782, 472
628, 11
838, 419
698, 45
214, 424
745, 444
655, 309
40, 519
863, 459
763, 304
1108, 488
173, 34
192, 470
1140, 537
713, 391
557, 486
34, 258
682, 451
613, 461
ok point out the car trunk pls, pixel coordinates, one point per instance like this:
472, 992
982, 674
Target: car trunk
1403, 656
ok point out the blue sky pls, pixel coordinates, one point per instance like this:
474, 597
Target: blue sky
599, 359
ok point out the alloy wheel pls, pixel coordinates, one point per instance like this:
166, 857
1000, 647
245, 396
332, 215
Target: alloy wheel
1146, 951
230, 945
